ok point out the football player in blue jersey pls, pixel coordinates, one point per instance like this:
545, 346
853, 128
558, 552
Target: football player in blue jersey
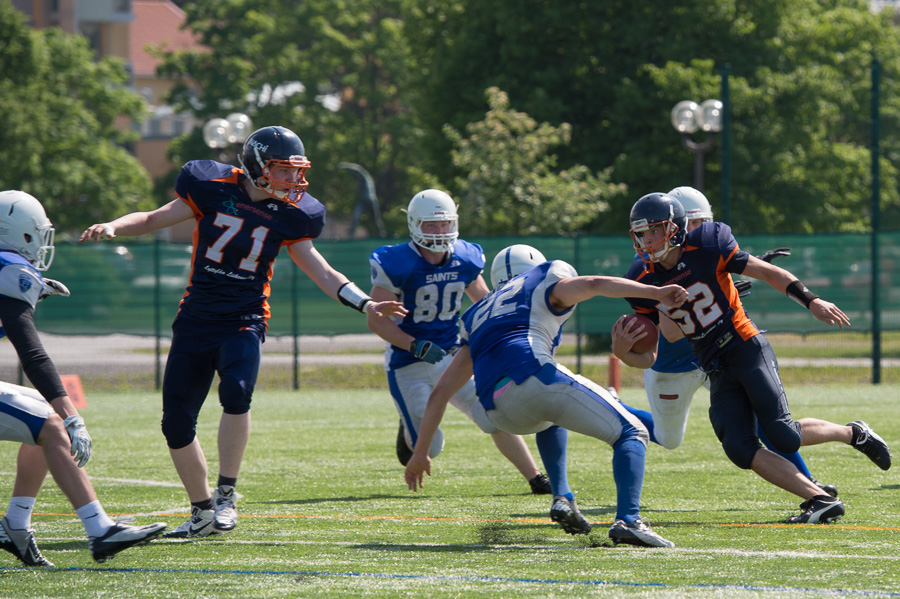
745, 388
430, 275
243, 218
675, 376
52, 433
509, 339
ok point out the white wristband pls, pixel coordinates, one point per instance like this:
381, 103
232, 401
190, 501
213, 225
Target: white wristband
353, 296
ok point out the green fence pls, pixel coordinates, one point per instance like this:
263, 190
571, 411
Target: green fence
134, 288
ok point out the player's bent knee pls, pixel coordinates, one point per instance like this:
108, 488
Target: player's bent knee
668, 441
784, 436
740, 453
235, 395
179, 430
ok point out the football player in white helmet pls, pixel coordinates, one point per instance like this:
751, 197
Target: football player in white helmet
674, 378
430, 275
509, 339
44, 420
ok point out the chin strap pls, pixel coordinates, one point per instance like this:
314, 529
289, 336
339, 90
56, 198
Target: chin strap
353, 296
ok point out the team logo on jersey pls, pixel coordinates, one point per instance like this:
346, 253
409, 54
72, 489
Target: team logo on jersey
231, 206
272, 206
24, 283
455, 263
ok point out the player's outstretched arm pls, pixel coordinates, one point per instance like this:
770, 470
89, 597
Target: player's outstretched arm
573, 290
336, 285
452, 380
787, 283
139, 223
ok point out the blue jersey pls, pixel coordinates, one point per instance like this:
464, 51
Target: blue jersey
236, 242
432, 293
713, 318
674, 357
514, 331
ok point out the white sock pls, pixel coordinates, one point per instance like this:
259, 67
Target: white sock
19, 513
94, 519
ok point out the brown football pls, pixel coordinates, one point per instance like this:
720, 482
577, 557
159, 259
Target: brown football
647, 343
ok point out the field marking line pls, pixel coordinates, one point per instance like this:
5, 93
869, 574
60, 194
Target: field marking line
477, 579
177, 512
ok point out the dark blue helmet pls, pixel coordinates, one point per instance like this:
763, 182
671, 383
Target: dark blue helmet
272, 147
655, 209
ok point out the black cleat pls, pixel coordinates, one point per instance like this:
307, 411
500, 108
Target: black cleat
120, 537
540, 485
820, 509
404, 453
866, 441
20, 542
566, 514
636, 533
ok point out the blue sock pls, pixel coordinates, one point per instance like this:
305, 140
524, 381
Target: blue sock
551, 444
645, 417
794, 458
628, 472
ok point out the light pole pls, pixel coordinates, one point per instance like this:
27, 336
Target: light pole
228, 133
689, 117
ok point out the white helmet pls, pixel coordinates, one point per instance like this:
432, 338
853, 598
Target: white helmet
513, 261
432, 205
25, 228
694, 202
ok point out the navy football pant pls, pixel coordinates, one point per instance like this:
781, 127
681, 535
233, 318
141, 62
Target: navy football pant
200, 351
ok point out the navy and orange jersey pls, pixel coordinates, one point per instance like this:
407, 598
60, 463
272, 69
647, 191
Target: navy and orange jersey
236, 242
713, 318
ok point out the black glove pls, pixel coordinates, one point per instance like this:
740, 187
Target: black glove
743, 287
772, 254
427, 351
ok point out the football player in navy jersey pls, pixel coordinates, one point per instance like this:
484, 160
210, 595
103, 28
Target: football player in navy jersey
244, 216
52, 433
675, 376
430, 275
744, 384
509, 339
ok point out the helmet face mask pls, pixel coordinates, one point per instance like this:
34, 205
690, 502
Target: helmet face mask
513, 261
271, 148
25, 228
652, 210
432, 205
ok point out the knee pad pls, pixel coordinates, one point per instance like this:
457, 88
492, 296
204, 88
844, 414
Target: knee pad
741, 452
179, 429
784, 436
234, 395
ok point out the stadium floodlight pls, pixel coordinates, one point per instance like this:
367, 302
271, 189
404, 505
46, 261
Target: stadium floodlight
687, 118
228, 133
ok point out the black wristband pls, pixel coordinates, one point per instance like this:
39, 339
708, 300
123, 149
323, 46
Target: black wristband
798, 292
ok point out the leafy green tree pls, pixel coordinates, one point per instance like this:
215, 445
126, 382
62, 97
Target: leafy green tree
332, 71
613, 70
511, 185
62, 139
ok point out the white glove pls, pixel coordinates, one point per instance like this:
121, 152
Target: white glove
53, 287
81, 440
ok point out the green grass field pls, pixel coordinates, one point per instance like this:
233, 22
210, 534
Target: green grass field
325, 512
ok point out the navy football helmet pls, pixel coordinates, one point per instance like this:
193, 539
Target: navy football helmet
269, 148
657, 209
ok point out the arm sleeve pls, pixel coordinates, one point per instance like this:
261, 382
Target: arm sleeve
18, 323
